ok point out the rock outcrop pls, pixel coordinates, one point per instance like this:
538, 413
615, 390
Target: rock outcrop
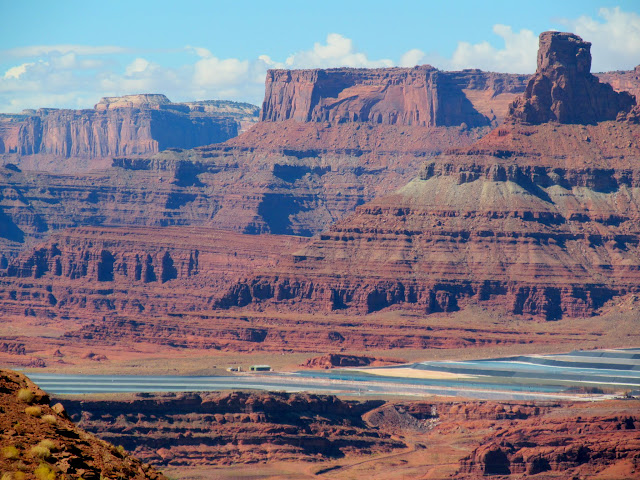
437, 439
132, 125
563, 89
530, 217
421, 96
233, 428
337, 360
41, 441
594, 441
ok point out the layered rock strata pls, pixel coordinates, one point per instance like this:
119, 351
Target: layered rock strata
298, 190
132, 125
134, 270
439, 438
563, 89
314, 172
541, 219
124, 288
595, 440
422, 96
233, 428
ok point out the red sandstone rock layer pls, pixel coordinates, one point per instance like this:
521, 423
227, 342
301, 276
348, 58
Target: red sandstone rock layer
542, 219
237, 427
437, 439
131, 125
40, 441
563, 89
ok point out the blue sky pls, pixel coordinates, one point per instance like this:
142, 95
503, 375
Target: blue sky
71, 53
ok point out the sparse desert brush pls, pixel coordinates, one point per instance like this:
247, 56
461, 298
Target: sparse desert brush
50, 419
48, 443
43, 472
13, 476
33, 411
10, 452
25, 395
41, 452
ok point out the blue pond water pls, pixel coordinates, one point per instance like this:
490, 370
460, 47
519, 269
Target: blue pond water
507, 378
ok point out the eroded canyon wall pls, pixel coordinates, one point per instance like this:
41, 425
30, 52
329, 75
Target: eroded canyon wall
132, 125
422, 96
540, 216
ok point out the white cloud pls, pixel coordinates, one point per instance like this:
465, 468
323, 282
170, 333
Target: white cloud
139, 65
517, 56
40, 50
615, 39
78, 75
412, 58
17, 71
339, 51
214, 72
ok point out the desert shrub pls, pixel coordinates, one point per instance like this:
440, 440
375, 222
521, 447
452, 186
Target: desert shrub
33, 410
13, 476
47, 443
50, 419
25, 395
41, 452
43, 472
10, 452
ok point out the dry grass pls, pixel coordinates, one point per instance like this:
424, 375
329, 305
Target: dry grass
43, 472
33, 411
25, 395
41, 452
50, 419
10, 452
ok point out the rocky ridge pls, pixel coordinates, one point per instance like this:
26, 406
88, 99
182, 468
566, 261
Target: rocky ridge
234, 427
541, 219
49, 139
40, 441
399, 438
316, 172
563, 89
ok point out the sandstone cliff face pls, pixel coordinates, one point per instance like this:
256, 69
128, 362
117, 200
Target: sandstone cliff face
529, 217
86, 133
422, 96
563, 89
552, 240
233, 428
130, 125
623, 81
595, 440
437, 439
